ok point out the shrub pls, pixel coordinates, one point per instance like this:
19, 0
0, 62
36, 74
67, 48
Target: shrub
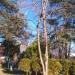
72, 68
54, 67
24, 65
65, 67
36, 67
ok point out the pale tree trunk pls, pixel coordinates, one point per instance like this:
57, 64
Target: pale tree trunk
43, 63
69, 51
36, 72
27, 73
65, 51
44, 4
39, 49
60, 51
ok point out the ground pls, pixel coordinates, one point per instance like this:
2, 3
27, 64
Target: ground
5, 72
2, 72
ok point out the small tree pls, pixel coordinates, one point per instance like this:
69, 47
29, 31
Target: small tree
24, 65
36, 66
65, 67
55, 67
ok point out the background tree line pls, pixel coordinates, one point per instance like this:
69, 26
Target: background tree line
53, 37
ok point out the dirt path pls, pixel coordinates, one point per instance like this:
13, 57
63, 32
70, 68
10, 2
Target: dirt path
2, 73
5, 72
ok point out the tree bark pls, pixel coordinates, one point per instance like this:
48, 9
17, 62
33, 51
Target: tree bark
27, 73
65, 50
69, 51
36, 72
60, 50
43, 63
39, 49
44, 4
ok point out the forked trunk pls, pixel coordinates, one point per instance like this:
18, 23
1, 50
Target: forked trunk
39, 48
43, 63
44, 4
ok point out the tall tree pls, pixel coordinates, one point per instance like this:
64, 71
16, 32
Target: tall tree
13, 22
44, 5
44, 61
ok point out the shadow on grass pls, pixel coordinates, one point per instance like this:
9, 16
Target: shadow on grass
15, 72
18, 72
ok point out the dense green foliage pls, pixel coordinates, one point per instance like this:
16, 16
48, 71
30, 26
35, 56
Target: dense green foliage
25, 64
10, 48
56, 66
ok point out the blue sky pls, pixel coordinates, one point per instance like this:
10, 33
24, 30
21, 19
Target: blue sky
1, 39
26, 7
32, 15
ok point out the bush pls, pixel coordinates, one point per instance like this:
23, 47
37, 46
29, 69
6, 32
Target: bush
24, 65
72, 68
65, 67
36, 67
54, 67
